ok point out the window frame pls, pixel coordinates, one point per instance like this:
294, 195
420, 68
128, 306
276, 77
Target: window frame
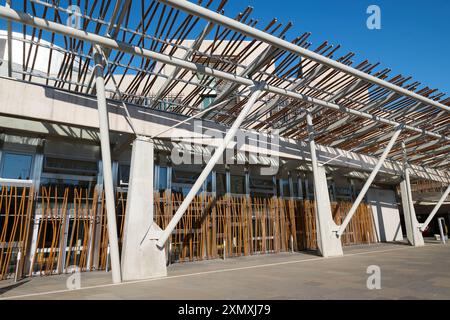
2, 163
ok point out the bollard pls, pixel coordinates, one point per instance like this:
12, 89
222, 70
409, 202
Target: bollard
441, 229
170, 252
224, 249
107, 260
19, 256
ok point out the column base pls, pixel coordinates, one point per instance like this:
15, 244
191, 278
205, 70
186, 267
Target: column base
413, 233
328, 244
141, 258
148, 261
331, 246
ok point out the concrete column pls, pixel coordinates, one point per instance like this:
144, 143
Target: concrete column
141, 258
413, 232
328, 244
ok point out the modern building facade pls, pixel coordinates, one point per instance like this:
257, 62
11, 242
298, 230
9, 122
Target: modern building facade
324, 156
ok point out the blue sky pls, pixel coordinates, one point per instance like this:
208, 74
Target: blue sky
413, 40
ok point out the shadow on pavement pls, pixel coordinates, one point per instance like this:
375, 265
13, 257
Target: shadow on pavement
3, 290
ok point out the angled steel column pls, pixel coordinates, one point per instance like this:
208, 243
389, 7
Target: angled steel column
327, 243
412, 226
368, 182
435, 209
107, 169
212, 162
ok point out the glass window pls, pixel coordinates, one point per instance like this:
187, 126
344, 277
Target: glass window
285, 187
182, 181
184, 177
209, 183
124, 174
257, 183
237, 184
261, 187
69, 174
60, 183
162, 183
70, 166
295, 187
207, 101
16, 166
221, 184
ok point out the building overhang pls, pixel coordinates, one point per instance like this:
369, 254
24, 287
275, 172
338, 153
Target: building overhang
47, 111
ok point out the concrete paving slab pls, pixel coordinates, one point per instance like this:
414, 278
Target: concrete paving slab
406, 273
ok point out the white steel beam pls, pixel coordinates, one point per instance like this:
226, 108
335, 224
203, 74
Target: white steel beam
107, 168
368, 182
435, 209
104, 42
212, 16
211, 163
114, 22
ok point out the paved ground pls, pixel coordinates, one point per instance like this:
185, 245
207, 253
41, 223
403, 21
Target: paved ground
406, 273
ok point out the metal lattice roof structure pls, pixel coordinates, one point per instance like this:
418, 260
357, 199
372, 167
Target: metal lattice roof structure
355, 105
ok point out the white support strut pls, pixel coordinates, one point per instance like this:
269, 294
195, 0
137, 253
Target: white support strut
107, 169
435, 209
369, 181
211, 163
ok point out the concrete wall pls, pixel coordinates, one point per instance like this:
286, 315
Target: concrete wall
56, 112
38, 59
386, 214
